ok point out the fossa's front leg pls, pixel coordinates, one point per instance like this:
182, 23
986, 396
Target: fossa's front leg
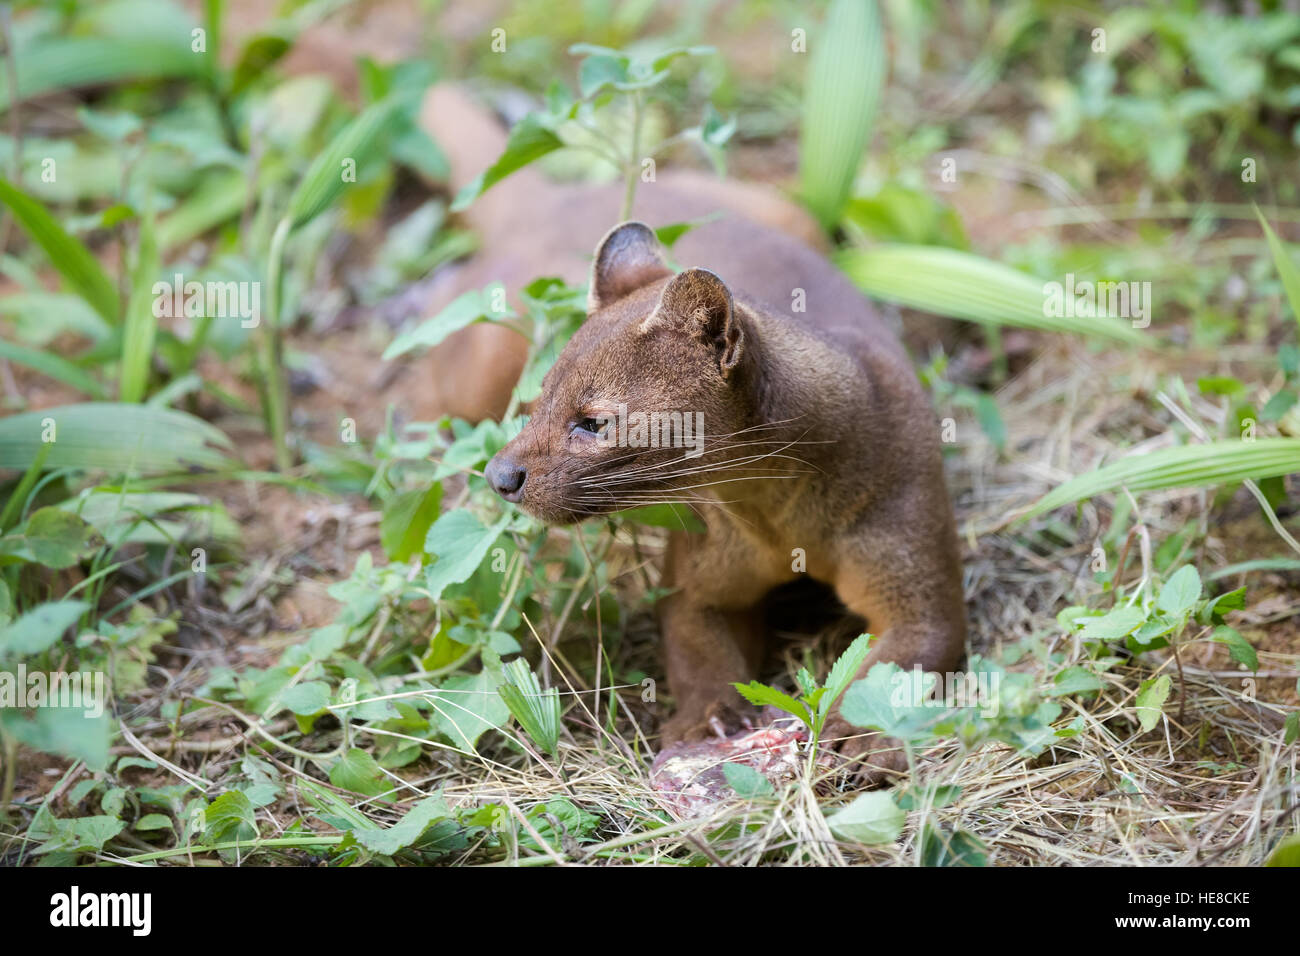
712, 632
907, 584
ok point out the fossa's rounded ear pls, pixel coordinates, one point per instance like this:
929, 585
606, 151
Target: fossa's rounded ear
698, 303
628, 258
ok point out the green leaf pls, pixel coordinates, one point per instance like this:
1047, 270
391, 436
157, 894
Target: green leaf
141, 323
357, 142
662, 60
990, 419
843, 671
1213, 609
19, 497
40, 627
467, 706
1292, 728
892, 701
1075, 680
846, 69
460, 542
747, 781
1151, 700
53, 366
950, 282
69, 62
1278, 405
1220, 385
669, 234
387, 841
1112, 625
230, 817
676, 517
259, 53
529, 140
153, 821
1286, 853
307, 698
113, 801
898, 213
760, 695
117, 438
1151, 634
57, 538
116, 126
871, 818
82, 834
599, 71
940, 847
219, 197
406, 519
1181, 592
357, 771
64, 731
473, 306
915, 798
1239, 649
1188, 466
331, 807
72, 259
713, 135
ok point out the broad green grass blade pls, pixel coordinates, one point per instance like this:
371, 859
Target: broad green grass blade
141, 323
1258, 564
1188, 466
73, 260
323, 182
59, 369
847, 69
112, 437
63, 63
1285, 267
965, 286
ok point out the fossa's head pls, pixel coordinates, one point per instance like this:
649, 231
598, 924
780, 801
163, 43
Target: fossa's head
643, 402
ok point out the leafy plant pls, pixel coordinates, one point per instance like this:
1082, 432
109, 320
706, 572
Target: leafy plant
1145, 624
537, 712
1004, 706
814, 707
608, 79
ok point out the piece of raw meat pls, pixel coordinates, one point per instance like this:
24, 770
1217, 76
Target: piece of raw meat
689, 778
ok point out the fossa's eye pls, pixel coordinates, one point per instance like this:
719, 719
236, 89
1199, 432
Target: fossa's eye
592, 426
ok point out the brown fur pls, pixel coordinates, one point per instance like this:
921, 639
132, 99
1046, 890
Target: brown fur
818, 435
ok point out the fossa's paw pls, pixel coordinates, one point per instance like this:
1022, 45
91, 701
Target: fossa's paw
871, 758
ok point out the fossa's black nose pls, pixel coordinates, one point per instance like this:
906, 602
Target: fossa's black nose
505, 477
